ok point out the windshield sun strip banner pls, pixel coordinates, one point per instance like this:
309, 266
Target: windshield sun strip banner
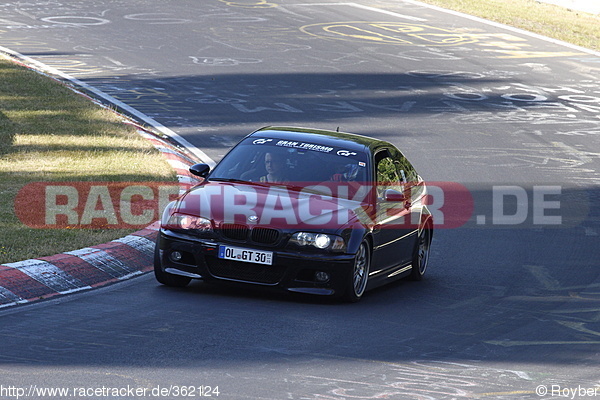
301, 145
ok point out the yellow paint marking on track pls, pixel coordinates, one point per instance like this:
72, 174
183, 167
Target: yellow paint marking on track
31, 45
74, 66
362, 34
398, 33
388, 33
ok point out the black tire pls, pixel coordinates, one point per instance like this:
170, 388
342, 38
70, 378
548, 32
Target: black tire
166, 278
421, 254
358, 279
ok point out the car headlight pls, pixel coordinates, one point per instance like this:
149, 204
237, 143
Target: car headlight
188, 222
319, 240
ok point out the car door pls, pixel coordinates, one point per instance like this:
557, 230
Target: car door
393, 240
413, 190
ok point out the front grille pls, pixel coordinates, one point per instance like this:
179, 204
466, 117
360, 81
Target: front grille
247, 272
257, 234
235, 231
265, 235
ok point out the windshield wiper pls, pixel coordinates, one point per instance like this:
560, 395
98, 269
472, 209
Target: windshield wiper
226, 179
235, 180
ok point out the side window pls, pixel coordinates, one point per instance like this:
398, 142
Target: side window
408, 173
387, 173
408, 170
403, 167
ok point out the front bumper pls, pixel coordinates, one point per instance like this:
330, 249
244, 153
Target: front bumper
293, 271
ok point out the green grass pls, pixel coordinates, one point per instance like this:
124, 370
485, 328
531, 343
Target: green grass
574, 27
50, 133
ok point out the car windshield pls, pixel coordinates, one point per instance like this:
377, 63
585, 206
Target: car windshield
263, 159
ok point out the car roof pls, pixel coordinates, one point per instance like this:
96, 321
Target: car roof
350, 141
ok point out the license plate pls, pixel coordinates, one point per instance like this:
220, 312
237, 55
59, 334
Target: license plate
246, 255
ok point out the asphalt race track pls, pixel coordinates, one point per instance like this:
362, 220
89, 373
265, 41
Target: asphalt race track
510, 307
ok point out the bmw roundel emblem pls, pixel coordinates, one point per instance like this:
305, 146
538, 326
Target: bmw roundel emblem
253, 218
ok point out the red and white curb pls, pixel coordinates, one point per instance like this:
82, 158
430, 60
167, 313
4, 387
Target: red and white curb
73, 271
95, 266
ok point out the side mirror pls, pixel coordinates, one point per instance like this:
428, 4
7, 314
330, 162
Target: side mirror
200, 170
393, 195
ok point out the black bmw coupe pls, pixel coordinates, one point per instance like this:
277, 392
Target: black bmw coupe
300, 210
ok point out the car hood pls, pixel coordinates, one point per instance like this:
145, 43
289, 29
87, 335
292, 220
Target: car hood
283, 207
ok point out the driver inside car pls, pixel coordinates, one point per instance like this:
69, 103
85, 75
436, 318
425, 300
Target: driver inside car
276, 167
